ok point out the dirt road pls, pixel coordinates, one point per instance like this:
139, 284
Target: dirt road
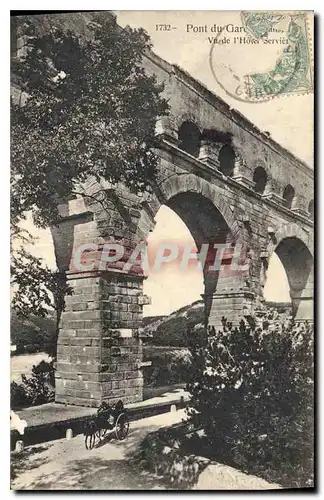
64, 464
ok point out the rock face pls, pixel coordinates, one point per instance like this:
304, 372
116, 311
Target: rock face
212, 162
223, 477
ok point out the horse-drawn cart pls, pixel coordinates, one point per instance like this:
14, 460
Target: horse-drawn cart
109, 419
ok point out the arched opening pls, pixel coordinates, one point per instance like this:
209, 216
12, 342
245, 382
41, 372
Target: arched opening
298, 263
276, 289
288, 195
260, 179
290, 277
168, 285
311, 209
189, 136
181, 292
226, 160
188, 221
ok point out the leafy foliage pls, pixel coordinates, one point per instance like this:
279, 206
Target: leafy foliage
252, 394
33, 281
35, 390
40, 290
33, 334
170, 365
30, 333
161, 453
45, 372
91, 110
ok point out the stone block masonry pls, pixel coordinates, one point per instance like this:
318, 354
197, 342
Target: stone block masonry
95, 361
231, 186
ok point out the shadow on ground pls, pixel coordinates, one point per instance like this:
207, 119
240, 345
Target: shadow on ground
129, 445
96, 473
27, 460
70, 466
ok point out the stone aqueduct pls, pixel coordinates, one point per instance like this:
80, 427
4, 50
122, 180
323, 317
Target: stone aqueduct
225, 179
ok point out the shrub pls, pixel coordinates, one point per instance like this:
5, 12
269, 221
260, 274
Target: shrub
45, 372
170, 365
18, 398
35, 390
252, 394
161, 453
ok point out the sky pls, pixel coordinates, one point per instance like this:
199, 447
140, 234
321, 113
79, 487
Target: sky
288, 119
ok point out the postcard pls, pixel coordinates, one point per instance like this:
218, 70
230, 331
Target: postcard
162, 229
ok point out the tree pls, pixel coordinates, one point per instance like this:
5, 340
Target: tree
90, 109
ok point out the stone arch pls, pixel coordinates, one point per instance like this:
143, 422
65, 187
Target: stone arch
288, 195
291, 230
189, 138
260, 178
213, 222
294, 247
181, 183
227, 158
179, 119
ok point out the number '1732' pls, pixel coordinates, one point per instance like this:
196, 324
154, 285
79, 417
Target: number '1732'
163, 27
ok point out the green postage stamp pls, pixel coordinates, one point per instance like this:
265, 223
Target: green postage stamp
267, 55
291, 72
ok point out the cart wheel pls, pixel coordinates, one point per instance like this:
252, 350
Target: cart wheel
89, 441
101, 433
122, 426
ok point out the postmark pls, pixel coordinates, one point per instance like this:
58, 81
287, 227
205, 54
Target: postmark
263, 55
